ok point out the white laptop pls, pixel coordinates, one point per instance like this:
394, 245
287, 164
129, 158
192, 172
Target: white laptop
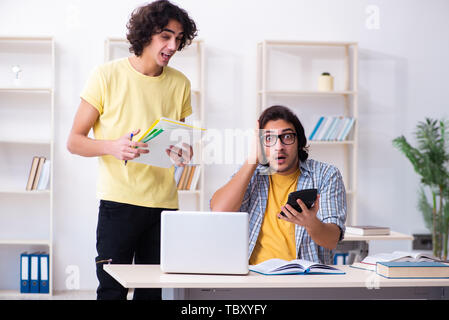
204, 242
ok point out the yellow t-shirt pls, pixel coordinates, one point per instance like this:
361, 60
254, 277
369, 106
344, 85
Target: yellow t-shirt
128, 100
276, 237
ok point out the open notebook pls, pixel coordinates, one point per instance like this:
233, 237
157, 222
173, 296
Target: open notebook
298, 266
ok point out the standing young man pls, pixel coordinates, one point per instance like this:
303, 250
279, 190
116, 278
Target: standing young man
262, 191
120, 98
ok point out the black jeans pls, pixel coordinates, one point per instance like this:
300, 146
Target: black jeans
124, 232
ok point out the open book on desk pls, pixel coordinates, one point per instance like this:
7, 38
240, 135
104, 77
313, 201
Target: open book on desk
162, 134
369, 263
298, 266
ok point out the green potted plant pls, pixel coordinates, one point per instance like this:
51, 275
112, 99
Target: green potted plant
430, 160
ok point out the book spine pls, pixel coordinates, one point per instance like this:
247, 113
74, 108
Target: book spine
316, 128
181, 180
195, 179
38, 173
32, 174
331, 126
343, 127
191, 173
324, 128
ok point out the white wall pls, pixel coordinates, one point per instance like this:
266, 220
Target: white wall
403, 68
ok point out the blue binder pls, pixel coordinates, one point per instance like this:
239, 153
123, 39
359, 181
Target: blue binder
34, 273
44, 280
24, 273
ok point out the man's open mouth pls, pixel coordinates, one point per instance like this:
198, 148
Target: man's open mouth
165, 56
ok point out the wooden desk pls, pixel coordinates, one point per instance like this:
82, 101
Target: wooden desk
355, 284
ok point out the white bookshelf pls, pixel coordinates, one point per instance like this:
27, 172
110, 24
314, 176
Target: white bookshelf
189, 61
287, 74
26, 130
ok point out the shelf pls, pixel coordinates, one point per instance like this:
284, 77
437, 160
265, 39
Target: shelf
16, 294
22, 141
319, 142
25, 242
197, 192
27, 89
27, 39
392, 236
31, 192
34, 92
307, 43
288, 70
308, 93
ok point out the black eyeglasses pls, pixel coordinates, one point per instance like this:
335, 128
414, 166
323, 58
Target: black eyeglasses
270, 140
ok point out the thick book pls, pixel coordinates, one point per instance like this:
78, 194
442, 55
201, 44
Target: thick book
368, 230
405, 270
162, 134
298, 266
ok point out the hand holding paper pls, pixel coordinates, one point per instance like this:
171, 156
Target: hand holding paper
180, 156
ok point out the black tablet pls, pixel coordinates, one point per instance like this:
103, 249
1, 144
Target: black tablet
308, 196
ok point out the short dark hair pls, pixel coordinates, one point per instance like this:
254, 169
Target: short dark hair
150, 19
283, 113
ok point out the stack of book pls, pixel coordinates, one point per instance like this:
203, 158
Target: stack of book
34, 272
187, 177
336, 128
368, 230
39, 175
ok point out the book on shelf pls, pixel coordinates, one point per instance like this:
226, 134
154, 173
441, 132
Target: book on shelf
368, 230
297, 266
32, 174
34, 272
38, 173
332, 128
325, 126
35, 174
328, 136
187, 177
191, 173
314, 131
44, 179
178, 172
187, 169
408, 270
182, 179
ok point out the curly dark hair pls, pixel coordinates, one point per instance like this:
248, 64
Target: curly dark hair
150, 19
284, 113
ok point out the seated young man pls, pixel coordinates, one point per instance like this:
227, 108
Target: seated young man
262, 191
